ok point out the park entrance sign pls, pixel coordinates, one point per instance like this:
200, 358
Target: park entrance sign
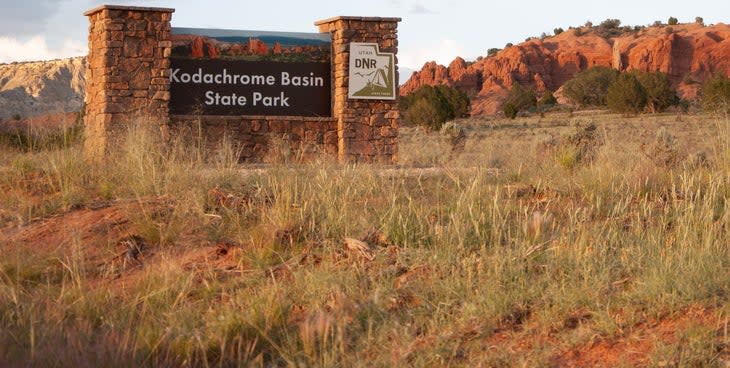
231, 72
372, 73
303, 95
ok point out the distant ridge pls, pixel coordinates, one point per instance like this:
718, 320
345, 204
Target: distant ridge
32, 89
688, 53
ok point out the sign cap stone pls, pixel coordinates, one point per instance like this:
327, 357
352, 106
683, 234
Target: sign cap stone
128, 8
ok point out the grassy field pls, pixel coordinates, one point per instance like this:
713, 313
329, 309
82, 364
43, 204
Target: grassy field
582, 240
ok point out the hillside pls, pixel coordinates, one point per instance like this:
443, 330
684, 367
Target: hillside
32, 89
688, 53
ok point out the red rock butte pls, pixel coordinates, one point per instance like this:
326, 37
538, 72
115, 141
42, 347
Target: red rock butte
687, 53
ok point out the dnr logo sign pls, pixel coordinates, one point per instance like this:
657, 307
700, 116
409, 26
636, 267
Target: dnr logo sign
372, 73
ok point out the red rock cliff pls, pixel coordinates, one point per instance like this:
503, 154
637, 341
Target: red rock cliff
688, 54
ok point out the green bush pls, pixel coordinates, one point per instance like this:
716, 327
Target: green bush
610, 24
659, 91
589, 87
609, 28
510, 110
626, 95
547, 99
672, 21
458, 101
558, 31
431, 106
519, 99
493, 51
716, 94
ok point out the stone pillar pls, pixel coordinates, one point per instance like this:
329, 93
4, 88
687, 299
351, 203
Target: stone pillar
128, 72
367, 129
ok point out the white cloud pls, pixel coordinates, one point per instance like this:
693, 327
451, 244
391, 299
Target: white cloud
442, 51
418, 8
36, 48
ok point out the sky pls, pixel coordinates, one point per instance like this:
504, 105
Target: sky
430, 30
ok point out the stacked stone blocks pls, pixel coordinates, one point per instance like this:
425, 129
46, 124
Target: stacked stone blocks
367, 129
128, 71
128, 80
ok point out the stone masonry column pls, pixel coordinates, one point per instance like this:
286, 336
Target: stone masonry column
367, 129
127, 78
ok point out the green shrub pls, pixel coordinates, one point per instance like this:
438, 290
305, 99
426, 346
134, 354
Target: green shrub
493, 51
519, 99
716, 94
672, 21
547, 99
558, 31
700, 21
510, 110
609, 28
431, 106
610, 24
589, 87
659, 91
422, 112
458, 101
626, 95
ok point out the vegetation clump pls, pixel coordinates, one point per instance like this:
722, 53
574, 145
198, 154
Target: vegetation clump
519, 99
716, 94
579, 147
431, 106
590, 87
664, 150
630, 92
547, 100
660, 94
493, 51
626, 95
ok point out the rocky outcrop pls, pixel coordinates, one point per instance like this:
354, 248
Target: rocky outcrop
687, 53
258, 47
33, 89
203, 47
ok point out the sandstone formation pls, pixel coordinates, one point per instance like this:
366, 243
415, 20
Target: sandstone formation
28, 90
688, 53
203, 47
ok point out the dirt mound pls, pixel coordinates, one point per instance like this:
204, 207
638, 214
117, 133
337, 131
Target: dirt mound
688, 53
109, 246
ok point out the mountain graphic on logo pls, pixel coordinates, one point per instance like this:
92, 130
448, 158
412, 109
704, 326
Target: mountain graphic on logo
380, 82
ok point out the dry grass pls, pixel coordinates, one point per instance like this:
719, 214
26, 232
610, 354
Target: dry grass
516, 251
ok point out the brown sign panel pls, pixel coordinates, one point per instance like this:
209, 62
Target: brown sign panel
234, 72
235, 87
